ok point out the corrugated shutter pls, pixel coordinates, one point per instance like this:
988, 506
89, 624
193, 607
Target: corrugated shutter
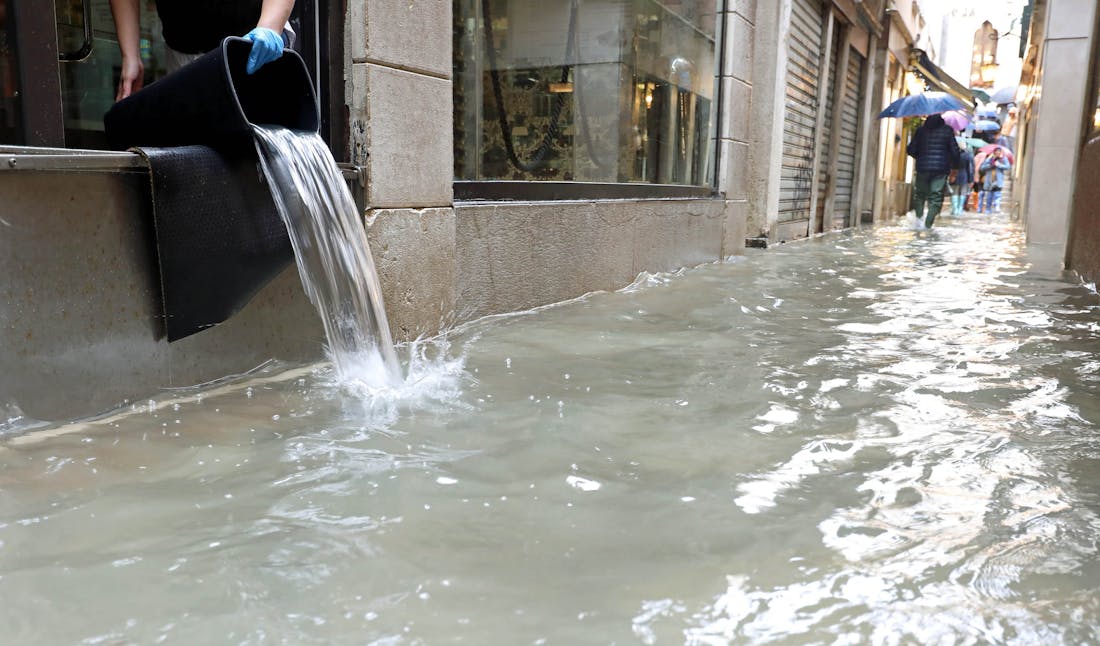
800, 115
849, 141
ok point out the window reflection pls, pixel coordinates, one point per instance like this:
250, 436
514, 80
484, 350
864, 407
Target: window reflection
1096, 94
9, 87
584, 90
88, 85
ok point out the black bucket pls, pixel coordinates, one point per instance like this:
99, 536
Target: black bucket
212, 101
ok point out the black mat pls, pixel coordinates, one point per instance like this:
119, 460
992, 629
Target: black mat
219, 238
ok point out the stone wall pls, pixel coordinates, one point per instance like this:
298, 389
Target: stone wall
79, 333
1052, 150
400, 104
442, 263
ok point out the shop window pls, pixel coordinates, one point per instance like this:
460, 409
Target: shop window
604, 91
1094, 117
10, 123
88, 64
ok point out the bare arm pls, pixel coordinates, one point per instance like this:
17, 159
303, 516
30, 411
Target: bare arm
273, 15
127, 14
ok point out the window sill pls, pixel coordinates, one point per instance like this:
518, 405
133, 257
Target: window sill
30, 158
504, 190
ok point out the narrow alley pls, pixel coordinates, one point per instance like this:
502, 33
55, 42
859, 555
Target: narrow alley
884, 436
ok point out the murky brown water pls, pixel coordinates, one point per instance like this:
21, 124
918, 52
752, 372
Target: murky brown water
887, 437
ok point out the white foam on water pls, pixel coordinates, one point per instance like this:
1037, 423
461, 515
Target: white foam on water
432, 377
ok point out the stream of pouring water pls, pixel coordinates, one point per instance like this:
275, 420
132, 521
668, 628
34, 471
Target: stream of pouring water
330, 244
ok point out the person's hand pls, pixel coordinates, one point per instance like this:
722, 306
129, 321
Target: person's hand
131, 78
267, 45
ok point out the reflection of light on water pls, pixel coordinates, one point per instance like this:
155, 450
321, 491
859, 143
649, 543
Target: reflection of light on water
958, 493
582, 484
776, 416
759, 494
1046, 401
877, 613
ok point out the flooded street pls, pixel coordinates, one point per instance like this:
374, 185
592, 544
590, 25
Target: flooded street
878, 437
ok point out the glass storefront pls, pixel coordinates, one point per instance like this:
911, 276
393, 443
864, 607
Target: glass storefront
91, 61
10, 124
70, 108
618, 91
88, 62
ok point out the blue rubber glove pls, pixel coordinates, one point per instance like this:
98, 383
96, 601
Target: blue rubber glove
267, 45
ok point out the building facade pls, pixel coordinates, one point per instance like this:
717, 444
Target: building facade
979, 42
506, 154
1059, 146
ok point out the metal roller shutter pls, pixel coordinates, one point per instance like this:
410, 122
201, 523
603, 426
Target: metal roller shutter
849, 141
800, 115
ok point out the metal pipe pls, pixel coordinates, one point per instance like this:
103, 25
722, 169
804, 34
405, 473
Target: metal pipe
29, 158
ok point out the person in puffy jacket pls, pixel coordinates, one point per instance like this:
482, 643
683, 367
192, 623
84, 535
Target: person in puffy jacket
937, 153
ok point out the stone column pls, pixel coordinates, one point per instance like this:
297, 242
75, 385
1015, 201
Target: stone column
765, 119
399, 95
737, 22
1053, 150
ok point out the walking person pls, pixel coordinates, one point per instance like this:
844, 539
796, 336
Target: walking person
937, 153
976, 171
993, 180
962, 181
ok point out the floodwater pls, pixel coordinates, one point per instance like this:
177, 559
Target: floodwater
880, 437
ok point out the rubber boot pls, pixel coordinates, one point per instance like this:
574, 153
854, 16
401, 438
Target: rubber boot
956, 205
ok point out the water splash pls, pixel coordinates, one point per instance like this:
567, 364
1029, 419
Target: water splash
333, 256
434, 379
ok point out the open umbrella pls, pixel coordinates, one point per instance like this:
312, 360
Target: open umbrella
980, 94
956, 119
971, 142
1004, 95
918, 105
986, 126
987, 112
989, 148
